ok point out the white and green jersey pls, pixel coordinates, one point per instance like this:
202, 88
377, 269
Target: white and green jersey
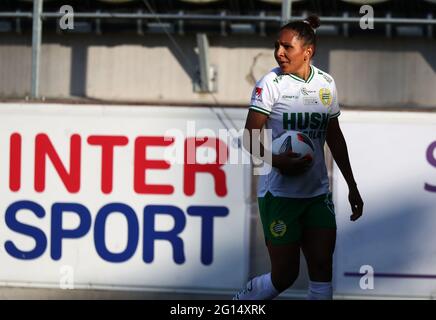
292, 103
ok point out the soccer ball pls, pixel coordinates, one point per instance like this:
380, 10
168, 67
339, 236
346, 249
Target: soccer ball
296, 142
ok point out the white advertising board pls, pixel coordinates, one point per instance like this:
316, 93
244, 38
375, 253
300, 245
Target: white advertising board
89, 198
391, 249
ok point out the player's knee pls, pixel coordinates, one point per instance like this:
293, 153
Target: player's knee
284, 281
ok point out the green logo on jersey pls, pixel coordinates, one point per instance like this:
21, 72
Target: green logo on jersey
313, 124
305, 120
278, 78
327, 78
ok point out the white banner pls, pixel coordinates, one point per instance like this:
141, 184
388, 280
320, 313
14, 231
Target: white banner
391, 249
89, 201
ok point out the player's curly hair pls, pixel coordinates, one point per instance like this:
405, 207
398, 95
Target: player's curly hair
305, 29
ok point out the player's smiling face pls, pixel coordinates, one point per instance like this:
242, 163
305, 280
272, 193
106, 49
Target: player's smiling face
290, 51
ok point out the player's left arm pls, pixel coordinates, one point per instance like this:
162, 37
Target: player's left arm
338, 147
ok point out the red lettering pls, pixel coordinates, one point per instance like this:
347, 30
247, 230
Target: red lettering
15, 162
142, 164
107, 144
192, 167
43, 148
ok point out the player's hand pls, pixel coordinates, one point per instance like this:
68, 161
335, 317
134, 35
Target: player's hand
356, 203
290, 164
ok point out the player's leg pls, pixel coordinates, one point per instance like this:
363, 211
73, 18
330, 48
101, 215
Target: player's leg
282, 232
285, 264
318, 244
318, 247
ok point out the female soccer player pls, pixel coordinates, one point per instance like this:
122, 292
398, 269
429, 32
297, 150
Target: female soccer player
294, 200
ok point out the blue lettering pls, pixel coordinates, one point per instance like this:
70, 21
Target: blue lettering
207, 214
36, 233
58, 233
150, 235
133, 232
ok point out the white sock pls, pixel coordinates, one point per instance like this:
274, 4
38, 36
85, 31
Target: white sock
320, 291
259, 288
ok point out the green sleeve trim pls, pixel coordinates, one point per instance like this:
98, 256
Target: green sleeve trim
335, 115
259, 109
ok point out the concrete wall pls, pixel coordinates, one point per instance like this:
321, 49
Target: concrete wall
369, 71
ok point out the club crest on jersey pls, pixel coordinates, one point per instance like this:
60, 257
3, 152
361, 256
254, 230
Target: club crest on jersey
278, 228
325, 96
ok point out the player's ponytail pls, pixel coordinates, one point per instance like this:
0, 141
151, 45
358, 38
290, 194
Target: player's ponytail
305, 30
313, 21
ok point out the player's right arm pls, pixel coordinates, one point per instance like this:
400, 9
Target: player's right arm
286, 162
